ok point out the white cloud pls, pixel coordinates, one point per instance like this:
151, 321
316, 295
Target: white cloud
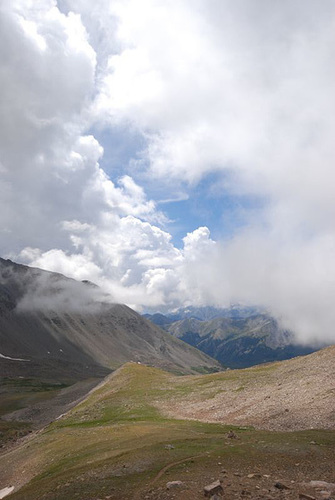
241, 87
123, 254
245, 88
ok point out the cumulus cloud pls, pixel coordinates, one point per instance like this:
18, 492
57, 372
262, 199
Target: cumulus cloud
133, 260
244, 88
224, 84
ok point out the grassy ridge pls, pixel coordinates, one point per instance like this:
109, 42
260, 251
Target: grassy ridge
116, 442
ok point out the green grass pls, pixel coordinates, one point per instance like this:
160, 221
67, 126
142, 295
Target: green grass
204, 370
116, 441
11, 431
18, 393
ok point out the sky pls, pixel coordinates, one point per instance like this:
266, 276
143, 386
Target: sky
174, 152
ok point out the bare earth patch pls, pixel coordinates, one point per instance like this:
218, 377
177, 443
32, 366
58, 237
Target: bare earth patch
289, 395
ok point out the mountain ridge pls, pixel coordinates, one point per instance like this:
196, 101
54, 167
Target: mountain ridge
57, 322
238, 337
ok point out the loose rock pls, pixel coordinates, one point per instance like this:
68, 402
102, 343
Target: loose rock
322, 484
213, 489
169, 447
174, 484
281, 486
232, 435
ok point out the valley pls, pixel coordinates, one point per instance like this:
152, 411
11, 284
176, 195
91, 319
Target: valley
237, 337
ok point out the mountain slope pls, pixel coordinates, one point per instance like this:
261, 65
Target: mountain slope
238, 338
295, 394
63, 327
288, 395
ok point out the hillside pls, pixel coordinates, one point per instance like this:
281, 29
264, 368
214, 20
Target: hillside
289, 395
237, 337
143, 428
62, 328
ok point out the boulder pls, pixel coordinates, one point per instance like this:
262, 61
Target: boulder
232, 435
322, 484
213, 489
174, 484
281, 486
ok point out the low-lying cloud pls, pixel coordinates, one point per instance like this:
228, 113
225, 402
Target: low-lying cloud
26, 289
49, 293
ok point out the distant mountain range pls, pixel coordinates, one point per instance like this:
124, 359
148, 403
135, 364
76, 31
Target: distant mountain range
57, 327
206, 313
237, 336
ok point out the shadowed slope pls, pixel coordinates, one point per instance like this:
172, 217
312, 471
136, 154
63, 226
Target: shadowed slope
71, 328
239, 338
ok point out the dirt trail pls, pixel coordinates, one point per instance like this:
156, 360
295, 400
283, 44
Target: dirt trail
138, 494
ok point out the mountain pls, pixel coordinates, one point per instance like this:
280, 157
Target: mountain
160, 319
57, 327
238, 336
206, 313
265, 432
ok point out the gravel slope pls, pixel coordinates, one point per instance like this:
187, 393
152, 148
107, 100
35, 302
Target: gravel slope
288, 395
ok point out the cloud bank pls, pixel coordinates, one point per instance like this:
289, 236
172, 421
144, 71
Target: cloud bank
239, 88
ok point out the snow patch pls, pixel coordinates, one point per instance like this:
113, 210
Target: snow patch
12, 359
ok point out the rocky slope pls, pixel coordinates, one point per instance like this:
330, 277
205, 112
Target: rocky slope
61, 327
289, 395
